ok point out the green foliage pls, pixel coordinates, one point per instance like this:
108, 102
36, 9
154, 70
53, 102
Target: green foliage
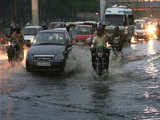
68, 7
21, 9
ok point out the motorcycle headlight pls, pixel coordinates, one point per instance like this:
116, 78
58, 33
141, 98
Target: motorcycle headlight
59, 57
125, 31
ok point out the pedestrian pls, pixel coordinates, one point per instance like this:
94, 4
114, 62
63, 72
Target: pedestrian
19, 38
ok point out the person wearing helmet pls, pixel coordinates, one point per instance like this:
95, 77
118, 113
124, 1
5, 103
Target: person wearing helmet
12, 28
117, 41
19, 38
100, 39
68, 28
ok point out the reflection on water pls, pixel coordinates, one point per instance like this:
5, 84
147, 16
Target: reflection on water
151, 67
146, 94
148, 110
133, 46
9, 110
150, 48
152, 70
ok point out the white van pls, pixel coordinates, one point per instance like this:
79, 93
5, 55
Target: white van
120, 16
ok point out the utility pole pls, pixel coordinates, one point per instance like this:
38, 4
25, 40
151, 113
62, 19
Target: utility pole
15, 10
102, 9
35, 12
150, 8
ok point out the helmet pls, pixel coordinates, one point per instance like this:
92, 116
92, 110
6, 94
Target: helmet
67, 27
100, 28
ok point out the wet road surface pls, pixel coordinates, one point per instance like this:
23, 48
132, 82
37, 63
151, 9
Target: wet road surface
131, 91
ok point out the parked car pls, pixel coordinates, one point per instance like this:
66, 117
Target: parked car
84, 34
49, 51
30, 33
54, 25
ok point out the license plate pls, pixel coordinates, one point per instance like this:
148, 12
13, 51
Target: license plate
44, 64
100, 54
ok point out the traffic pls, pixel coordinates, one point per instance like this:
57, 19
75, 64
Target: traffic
50, 44
97, 69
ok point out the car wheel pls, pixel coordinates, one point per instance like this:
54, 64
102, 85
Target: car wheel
28, 68
63, 68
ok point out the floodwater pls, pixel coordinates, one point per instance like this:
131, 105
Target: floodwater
130, 91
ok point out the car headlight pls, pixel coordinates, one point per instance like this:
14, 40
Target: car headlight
32, 40
59, 56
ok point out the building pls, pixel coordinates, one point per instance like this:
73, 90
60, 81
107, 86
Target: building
141, 7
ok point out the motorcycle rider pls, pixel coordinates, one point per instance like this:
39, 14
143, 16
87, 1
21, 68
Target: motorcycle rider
19, 38
100, 40
12, 28
117, 44
68, 28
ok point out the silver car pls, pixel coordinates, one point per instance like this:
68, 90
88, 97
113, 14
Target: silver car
29, 34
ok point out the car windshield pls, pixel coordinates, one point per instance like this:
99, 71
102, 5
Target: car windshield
83, 30
56, 25
140, 26
30, 31
50, 38
114, 20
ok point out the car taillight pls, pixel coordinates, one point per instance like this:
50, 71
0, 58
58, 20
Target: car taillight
1, 38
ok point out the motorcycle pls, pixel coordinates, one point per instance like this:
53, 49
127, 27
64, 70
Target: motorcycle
13, 52
115, 44
100, 59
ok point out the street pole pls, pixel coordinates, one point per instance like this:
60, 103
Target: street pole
15, 10
150, 8
102, 9
35, 12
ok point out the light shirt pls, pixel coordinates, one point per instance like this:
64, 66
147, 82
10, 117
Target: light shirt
99, 41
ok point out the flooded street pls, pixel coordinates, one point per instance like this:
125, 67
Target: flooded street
131, 91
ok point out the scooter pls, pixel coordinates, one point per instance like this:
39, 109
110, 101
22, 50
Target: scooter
100, 59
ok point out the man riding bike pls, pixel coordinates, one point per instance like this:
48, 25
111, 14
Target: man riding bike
100, 40
117, 41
